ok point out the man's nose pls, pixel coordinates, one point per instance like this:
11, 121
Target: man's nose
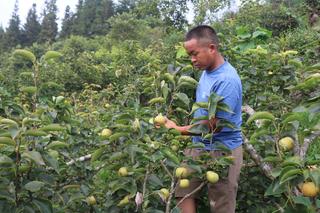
193, 59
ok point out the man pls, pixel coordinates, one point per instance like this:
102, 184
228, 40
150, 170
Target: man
201, 43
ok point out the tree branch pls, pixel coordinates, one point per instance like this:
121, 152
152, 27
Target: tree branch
265, 167
307, 141
191, 193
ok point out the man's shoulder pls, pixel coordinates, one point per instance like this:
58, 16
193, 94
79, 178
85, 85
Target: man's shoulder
230, 67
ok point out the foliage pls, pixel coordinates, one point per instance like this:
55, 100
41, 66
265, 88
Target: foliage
56, 100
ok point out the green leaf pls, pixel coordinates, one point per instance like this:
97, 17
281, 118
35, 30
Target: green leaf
186, 85
7, 141
318, 203
275, 189
170, 78
6, 162
52, 127
223, 148
44, 206
165, 90
292, 161
35, 133
155, 180
224, 107
9, 122
170, 155
195, 168
208, 136
97, 154
258, 133
57, 145
25, 54
181, 52
187, 79
213, 103
52, 162
199, 105
30, 89
118, 135
179, 109
262, 33
261, 115
289, 175
315, 176
311, 83
117, 156
183, 97
75, 197
296, 63
200, 118
34, 156
275, 172
34, 186
156, 100
7, 196
302, 117
302, 200
199, 129
176, 210
195, 145
51, 55
272, 159
313, 67
225, 123
28, 209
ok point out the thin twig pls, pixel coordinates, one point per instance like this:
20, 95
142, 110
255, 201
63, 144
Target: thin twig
145, 181
191, 193
172, 189
166, 169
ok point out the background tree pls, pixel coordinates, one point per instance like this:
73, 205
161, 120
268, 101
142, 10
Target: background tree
78, 20
66, 28
32, 27
88, 14
147, 9
104, 10
13, 32
206, 11
2, 37
91, 17
174, 12
49, 26
125, 6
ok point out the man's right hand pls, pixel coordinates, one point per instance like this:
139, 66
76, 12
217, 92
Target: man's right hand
170, 124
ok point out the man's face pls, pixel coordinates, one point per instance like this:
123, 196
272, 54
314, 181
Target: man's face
201, 53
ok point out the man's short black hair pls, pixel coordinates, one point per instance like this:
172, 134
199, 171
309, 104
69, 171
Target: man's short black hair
203, 32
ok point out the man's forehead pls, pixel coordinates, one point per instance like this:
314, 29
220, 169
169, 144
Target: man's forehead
202, 42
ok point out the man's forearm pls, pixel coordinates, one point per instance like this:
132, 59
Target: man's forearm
184, 130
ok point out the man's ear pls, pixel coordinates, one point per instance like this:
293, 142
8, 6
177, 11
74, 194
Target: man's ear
212, 48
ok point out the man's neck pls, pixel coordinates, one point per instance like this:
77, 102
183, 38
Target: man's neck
218, 61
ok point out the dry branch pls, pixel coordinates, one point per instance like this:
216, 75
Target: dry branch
265, 167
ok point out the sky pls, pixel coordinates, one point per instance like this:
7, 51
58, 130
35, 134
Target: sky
6, 9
